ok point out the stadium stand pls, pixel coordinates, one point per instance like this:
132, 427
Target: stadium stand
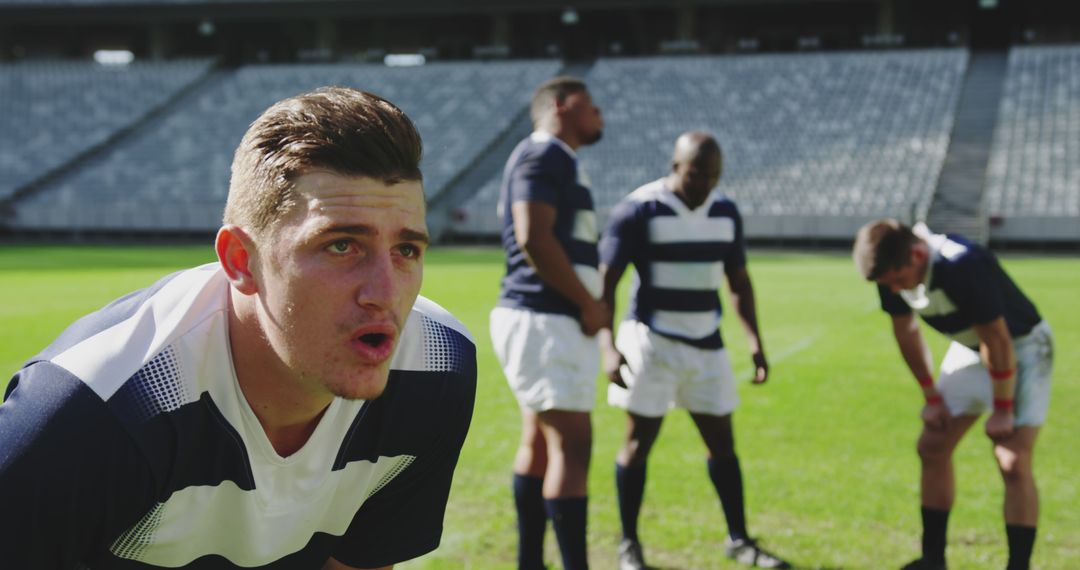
173, 174
815, 144
1033, 180
54, 111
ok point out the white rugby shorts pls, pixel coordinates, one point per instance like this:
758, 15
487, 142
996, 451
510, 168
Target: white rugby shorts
966, 386
662, 373
549, 363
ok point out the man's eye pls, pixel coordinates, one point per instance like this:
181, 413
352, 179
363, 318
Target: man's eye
340, 246
409, 250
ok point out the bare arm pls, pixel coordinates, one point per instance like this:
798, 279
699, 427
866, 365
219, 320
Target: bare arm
742, 297
916, 354
912, 346
613, 360
534, 224
996, 347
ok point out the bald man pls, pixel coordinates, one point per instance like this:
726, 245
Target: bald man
680, 236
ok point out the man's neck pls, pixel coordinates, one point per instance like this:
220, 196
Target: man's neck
286, 411
672, 184
562, 134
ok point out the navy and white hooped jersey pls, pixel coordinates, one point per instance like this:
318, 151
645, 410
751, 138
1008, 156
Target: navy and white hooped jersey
543, 168
127, 444
964, 286
680, 257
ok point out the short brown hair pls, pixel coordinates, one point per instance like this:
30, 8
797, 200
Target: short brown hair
882, 246
552, 92
345, 130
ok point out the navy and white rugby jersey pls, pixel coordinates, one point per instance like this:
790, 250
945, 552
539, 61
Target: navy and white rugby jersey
127, 444
964, 286
680, 257
543, 168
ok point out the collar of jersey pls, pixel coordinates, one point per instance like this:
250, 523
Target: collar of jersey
542, 136
672, 199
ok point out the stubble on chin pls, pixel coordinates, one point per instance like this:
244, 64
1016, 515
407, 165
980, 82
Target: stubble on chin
371, 385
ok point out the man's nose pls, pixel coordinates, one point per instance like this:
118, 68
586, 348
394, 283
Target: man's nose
376, 282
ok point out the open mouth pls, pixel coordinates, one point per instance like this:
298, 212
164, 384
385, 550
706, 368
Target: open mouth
374, 343
374, 340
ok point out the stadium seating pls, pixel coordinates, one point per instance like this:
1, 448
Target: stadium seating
54, 111
173, 174
813, 143
1033, 181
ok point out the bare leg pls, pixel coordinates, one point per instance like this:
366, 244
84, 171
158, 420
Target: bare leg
1021, 496
938, 485
568, 436
532, 457
1014, 458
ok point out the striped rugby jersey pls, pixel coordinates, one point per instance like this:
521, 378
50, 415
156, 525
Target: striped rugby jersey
680, 257
964, 286
543, 168
127, 444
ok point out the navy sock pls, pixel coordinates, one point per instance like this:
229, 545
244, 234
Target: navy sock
532, 520
630, 484
727, 479
569, 519
935, 523
1021, 543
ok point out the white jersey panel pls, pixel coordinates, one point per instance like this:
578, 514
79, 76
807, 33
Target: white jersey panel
687, 274
182, 304
697, 324
690, 227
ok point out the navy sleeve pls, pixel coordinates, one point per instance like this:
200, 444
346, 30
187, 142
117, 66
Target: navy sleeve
71, 479
404, 520
623, 237
971, 286
736, 257
538, 177
892, 303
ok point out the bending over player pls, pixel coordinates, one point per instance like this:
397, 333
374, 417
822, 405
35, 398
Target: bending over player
999, 360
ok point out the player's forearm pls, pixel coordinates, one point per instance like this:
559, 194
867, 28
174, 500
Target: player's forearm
553, 266
915, 352
742, 297
999, 356
610, 276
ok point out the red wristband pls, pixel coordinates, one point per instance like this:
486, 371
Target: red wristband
935, 400
1002, 374
1003, 404
926, 381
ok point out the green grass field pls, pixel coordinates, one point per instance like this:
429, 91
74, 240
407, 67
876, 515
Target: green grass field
827, 446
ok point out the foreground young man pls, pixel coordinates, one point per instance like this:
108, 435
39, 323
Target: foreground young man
1000, 359
547, 315
294, 405
680, 237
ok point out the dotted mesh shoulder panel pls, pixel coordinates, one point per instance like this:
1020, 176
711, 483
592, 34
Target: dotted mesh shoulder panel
155, 389
446, 348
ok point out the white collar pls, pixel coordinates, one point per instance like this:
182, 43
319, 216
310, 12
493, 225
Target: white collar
544, 136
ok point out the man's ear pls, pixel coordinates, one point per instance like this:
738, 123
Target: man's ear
235, 251
919, 254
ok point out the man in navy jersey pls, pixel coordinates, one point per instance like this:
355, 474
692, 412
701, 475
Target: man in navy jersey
547, 315
294, 405
999, 360
681, 238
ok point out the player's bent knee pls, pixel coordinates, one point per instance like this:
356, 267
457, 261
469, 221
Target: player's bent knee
1015, 465
933, 447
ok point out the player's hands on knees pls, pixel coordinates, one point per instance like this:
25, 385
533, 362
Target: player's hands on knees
761, 367
595, 315
1000, 424
935, 417
613, 361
